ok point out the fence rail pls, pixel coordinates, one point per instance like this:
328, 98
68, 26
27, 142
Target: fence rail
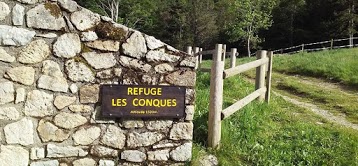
323, 45
199, 53
242, 103
245, 67
263, 66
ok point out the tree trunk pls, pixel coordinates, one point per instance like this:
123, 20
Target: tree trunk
350, 26
116, 11
351, 35
111, 7
248, 45
291, 29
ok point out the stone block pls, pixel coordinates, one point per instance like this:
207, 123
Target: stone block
133, 156
89, 94
114, 137
159, 155
21, 132
182, 131
182, 153
37, 153
13, 155
69, 120
54, 151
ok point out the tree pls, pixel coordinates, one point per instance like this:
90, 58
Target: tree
111, 7
170, 23
290, 9
137, 14
347, 16
288, 27
92, 5
202, 19
251, 16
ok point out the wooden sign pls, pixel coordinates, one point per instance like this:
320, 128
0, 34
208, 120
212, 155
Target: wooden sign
135, 101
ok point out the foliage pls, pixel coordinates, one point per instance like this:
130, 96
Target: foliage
346, 16
285, 18
203, 25
254, 24
250, 17
174, 24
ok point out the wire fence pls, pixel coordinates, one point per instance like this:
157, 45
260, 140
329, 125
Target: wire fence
318, 46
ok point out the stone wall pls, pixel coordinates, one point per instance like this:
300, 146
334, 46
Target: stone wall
54, 55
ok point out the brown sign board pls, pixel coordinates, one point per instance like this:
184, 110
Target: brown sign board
137, 101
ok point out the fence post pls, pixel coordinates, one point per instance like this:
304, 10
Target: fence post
196, 50
200, 57
268, 77
189, 50
303, 47
233, 57
216, 98
260, 73
224, 53
331, 44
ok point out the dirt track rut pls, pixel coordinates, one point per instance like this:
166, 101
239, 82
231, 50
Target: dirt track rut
321, 112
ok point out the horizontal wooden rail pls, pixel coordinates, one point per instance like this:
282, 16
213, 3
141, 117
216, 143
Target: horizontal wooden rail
310, 44
341, 46
242, 68
318, 49
242, 103
316, 43
229, 54
208, 52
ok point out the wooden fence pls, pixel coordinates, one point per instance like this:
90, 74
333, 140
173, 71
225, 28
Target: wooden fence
318, 46
200, 53
263, 66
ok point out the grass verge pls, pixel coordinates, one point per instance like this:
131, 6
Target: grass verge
335, 65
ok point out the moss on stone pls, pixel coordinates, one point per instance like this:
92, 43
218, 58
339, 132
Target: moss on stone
77, 59
85, 48
109, 31
54, 9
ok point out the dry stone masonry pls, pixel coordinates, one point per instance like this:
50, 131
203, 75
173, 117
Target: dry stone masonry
54, 55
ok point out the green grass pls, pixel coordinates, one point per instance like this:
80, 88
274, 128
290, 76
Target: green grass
275, 134
336, 65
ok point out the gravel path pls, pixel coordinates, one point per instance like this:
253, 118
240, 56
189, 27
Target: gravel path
321, 112
328, 85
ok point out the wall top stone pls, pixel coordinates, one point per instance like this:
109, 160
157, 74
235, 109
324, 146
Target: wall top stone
46, 16
28, 1
85, 19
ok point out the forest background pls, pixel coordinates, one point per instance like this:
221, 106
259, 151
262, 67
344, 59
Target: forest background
245, 24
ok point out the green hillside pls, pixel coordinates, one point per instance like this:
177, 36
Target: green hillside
337, 65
